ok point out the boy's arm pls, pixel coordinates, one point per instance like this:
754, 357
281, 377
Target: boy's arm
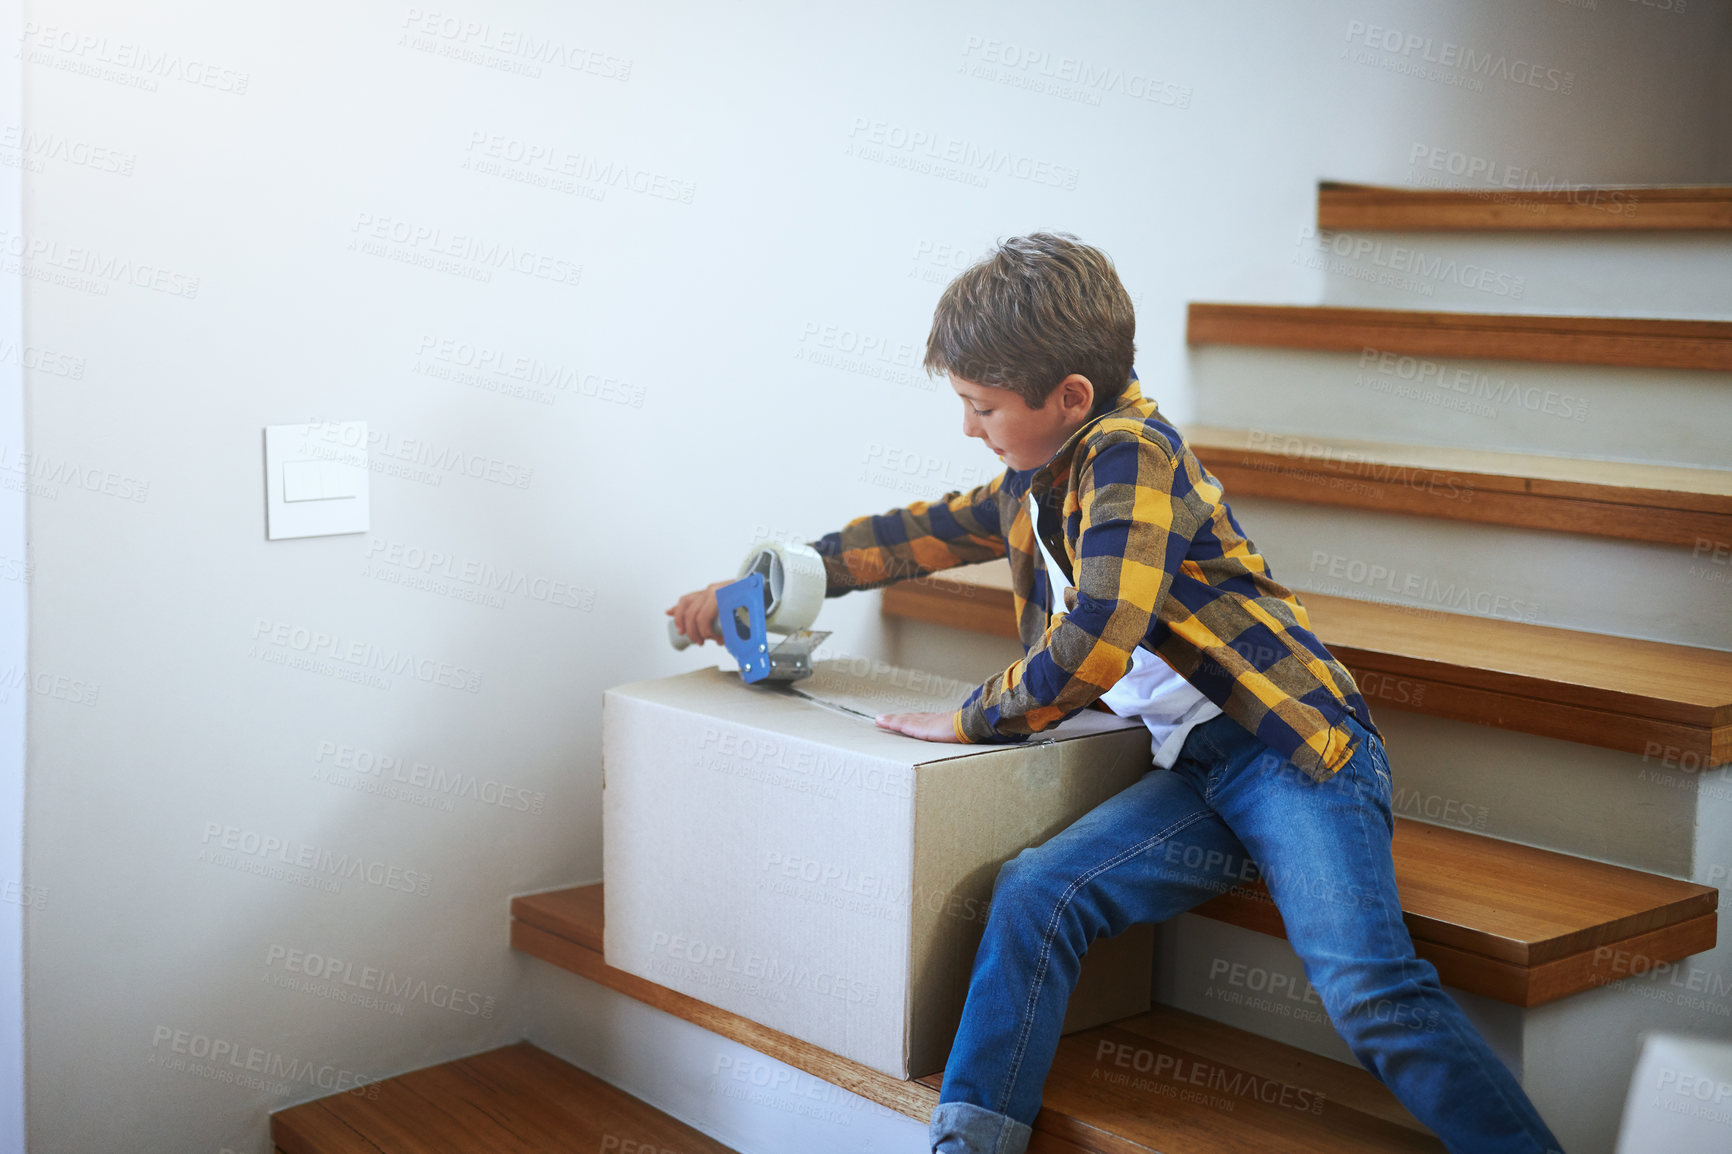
1140, 513
957, 529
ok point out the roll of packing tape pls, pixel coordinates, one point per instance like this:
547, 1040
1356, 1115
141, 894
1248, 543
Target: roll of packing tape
794, 577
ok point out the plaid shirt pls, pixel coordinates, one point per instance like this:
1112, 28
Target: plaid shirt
1157, 559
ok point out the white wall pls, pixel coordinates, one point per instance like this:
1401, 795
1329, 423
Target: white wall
737, 365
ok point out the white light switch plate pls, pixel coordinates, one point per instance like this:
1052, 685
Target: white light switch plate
316, 479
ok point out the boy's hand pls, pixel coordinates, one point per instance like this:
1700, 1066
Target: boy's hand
925, 726
695, 614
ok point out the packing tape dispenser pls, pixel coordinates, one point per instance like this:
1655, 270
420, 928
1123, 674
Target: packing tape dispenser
780, 590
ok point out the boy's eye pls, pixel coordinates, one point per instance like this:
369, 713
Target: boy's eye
981, 412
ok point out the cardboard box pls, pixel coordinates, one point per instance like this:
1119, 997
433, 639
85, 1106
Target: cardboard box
794, 864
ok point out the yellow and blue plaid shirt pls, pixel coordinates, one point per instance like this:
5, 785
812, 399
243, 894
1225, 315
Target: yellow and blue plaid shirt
1156, 559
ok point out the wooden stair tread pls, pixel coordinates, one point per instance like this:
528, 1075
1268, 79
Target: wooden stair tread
1675, 682
1627, 341
1510, 903
1155, 1082
1242, 1109
575, 910
1263, 1057
1610, 208
1665, 504
1182, 1051
515, 1100
1633, 482
1645, 697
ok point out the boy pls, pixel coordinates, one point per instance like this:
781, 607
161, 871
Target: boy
1264, 749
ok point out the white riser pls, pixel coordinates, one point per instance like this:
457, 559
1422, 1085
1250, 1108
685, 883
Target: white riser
1572, 581
1558, 795
1632, 274
1664, 416
1194, 960
736, 1095
961, 654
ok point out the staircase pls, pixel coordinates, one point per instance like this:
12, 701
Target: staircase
1163, 1081
1526, 567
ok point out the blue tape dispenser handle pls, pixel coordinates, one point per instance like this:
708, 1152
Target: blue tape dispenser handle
740, 617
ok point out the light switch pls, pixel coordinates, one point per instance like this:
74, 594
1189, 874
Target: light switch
316, 479
320, 480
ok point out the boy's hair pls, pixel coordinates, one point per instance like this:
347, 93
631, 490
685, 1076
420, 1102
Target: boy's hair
1035, 310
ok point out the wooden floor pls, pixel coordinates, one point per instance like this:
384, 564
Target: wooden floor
515, 1100
1164, 1081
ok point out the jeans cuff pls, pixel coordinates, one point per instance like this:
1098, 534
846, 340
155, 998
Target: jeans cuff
964, 1128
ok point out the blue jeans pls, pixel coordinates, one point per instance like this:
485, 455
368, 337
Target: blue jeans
1176, 838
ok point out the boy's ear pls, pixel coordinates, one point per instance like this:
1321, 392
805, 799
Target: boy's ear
1076, 392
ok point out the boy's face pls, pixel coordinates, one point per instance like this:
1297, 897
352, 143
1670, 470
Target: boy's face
1024, 438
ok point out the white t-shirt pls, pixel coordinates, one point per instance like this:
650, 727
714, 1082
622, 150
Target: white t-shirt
1168, 704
